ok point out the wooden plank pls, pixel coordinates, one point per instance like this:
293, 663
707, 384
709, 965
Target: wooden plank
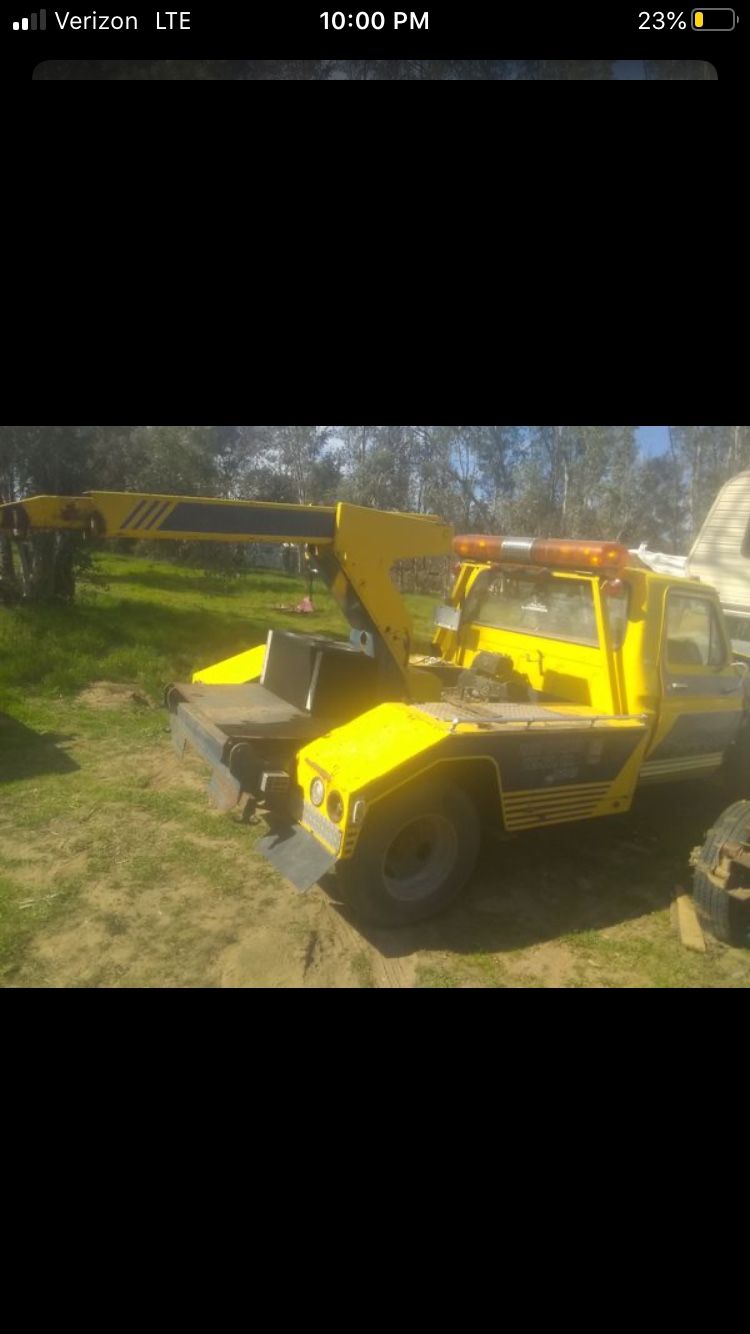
686, 920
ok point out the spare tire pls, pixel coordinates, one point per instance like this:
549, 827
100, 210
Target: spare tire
723, 908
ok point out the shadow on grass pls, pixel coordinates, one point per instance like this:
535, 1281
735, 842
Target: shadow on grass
550, 883
25, 753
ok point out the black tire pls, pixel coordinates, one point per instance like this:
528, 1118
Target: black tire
726, 918
415, 853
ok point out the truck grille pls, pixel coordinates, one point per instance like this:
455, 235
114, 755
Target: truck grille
322, 827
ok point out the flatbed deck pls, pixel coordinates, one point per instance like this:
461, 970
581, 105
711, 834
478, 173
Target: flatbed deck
249, 711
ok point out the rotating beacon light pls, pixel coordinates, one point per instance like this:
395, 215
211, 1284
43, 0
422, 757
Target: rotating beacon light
604, 557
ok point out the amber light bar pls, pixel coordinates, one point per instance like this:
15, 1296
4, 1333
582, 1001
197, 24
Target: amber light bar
604, 556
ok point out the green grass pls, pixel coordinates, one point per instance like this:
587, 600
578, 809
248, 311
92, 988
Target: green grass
153, 622
657, 958
96, 846
436, 977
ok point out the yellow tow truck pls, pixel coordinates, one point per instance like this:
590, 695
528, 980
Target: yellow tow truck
563, 676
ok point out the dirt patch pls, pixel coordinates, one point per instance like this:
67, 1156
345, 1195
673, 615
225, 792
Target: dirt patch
161, 769
375, 955
180, 933
306, 942
551, 965
113, 695
265, 957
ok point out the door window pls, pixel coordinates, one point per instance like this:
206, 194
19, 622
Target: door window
694, 635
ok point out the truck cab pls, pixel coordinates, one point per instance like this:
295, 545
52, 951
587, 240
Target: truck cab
627, 642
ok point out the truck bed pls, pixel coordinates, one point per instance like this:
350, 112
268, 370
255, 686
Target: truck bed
249, 711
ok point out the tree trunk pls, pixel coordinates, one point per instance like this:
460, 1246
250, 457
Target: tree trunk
47, 567
24, 557
7, 568
694, 488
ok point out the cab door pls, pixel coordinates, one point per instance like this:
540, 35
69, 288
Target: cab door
701, 691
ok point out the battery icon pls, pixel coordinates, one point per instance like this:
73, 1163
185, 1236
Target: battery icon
714, 20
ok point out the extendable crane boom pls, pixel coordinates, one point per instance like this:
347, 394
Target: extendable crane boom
353, 547
176, 518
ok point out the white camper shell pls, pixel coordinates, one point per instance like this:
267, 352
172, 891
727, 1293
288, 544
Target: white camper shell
721, 556
721, 551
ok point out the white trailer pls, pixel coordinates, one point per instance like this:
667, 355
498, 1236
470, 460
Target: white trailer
721, 556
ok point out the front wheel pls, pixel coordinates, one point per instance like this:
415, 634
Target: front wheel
416, 851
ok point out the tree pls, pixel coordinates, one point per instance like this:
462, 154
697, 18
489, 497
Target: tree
54, 459
572, 480
577, 481
295, 452
706, 457
658, 509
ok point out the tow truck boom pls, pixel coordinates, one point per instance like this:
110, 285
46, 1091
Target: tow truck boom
353, 547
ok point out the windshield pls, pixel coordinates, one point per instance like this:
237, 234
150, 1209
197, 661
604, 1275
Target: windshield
556, 608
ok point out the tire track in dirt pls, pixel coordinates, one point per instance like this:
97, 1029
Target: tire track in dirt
387, 970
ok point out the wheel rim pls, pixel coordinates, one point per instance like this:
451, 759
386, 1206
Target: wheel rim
419, 858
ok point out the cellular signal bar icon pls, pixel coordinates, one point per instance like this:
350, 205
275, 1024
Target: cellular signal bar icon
30, 24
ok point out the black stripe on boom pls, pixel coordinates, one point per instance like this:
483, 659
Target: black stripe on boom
307, 525
133, 513
160, 511
151, 509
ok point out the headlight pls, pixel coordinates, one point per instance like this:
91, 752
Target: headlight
317, 791
335, 807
